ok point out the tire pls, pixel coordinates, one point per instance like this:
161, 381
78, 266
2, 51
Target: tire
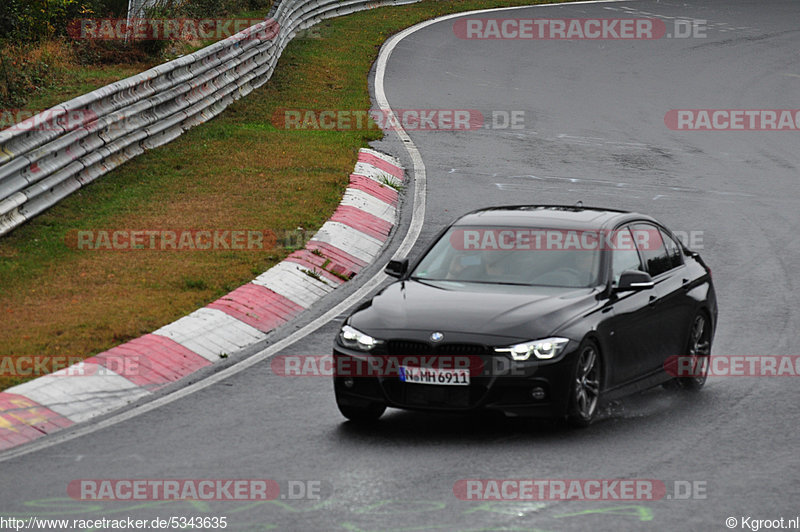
362, 414
699, 348
585, 389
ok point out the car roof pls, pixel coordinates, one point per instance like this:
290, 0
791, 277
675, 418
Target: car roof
549, 216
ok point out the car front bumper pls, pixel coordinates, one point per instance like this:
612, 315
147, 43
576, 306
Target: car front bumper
531, 388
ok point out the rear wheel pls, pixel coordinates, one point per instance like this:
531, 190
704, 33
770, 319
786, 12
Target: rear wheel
699, 351
585, 394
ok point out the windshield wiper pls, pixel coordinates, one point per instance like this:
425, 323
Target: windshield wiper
496, 282
421, 279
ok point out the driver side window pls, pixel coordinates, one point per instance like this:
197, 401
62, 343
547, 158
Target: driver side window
624, 255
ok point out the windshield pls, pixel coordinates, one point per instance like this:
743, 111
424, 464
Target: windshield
523, 256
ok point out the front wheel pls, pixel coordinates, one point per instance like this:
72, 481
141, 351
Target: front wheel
699, 350
362, 414
585, 393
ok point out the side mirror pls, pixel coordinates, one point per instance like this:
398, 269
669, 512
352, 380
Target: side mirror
396, 268
634, 280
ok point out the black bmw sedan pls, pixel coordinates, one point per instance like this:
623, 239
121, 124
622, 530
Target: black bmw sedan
542, 310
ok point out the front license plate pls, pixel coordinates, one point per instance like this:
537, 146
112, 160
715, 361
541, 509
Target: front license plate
446, 377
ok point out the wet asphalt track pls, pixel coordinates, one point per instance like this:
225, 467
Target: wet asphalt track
594, 131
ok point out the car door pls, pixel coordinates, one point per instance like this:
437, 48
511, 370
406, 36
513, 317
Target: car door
633, 316
663, 260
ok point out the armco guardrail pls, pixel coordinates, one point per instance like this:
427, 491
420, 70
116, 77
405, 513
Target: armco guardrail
53, 154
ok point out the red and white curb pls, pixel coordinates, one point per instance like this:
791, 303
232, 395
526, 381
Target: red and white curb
346, 243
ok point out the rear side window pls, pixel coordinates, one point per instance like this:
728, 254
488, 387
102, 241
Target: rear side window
673, 250
624, 257
651, 243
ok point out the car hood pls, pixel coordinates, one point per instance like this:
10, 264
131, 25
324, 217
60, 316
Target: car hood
509, 311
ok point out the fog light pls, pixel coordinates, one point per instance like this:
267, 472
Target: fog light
348, 382
538, 393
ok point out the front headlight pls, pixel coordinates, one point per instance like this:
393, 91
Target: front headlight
542, 349
355, 339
